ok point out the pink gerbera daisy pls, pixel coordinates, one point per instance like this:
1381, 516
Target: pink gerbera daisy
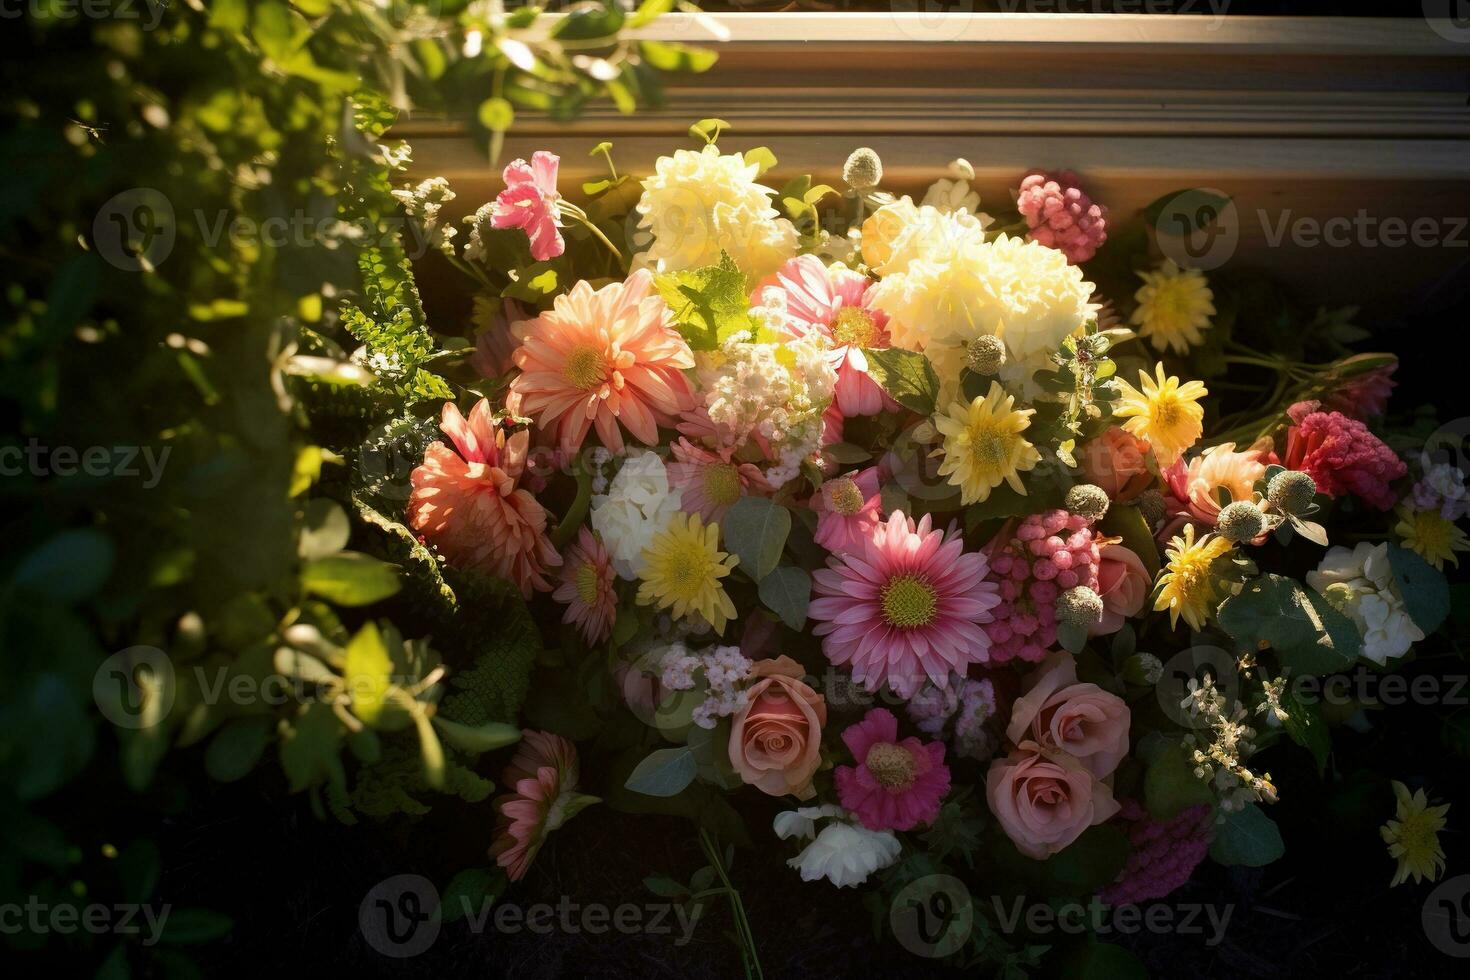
711, 481
587, 587
529, 201
897, 785
543, 775
604, 358
470, 504
833, 302
848, 509
906, 605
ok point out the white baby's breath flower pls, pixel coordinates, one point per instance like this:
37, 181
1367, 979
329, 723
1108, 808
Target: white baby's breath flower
638, 504
846, 854
1360, 584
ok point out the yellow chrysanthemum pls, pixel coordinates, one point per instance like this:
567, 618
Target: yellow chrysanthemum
983, 444
1188, 585
1165, 414
1174, 305
1434, 538
1413, 838
683, 566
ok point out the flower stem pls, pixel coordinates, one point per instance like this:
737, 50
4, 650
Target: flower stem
748, 952
581, 216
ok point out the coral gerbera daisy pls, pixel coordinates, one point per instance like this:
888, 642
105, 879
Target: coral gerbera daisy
897, 783
906, 605
682, 568
1174, 305
983, 445
543, 777
711, 482
1413, 837
1434, 538
587, 587
1188, 585
1164, 413
603, 358
470, 504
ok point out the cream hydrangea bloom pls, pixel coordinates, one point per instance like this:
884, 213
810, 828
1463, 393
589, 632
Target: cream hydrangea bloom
638, 505
700, 203
1360, 584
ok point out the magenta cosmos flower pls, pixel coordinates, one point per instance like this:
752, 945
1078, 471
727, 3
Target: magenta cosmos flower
897, 785
588, 587
834, 303
470, 504
710, 480
906, 605
848, 509
529, 203
543, 778
608, 359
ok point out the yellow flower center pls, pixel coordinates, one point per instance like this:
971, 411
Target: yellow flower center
844, 497
853, 326
584, 367
908, 602
1167, 412
722, 483
1432, 531
588, 583
1173, 307
891, 765
989, 446
686, 566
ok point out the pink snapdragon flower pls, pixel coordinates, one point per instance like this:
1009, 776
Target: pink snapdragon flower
897, 784
529, 202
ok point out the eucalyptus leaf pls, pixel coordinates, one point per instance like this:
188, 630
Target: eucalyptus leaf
665, 772
755, 530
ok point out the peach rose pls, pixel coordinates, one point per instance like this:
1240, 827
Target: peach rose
775, 740
1045, 802
1117, 461
1060, 715
1123, 583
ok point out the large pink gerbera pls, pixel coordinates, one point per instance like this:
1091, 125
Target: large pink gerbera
529, 202
834, 303
471, 507
897, 785
848, 509
603, 358
906, 605
543, 777
588, 587
711, 481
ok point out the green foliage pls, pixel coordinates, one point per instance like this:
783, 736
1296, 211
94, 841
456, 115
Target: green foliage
908, 377
1298, 623
503, 642
710, 305
755, 530
1247, 837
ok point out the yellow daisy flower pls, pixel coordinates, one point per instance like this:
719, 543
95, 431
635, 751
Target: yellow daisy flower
983, 445
1164, 414
683, 567
1413, 838
1174, 305
1188, 585
1431, 535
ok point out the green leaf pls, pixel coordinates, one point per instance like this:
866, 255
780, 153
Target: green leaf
308, 747
1092, 861
648, 11
1426, 592
664, 772
325, 529
755, 530
472, 890
710, 305
1128, 523
1170, 785
787, 591
671, 56
708, 129
190, 927
1300, 624
1305, 725
68, 568
762, 157
236, 748
496, 114
350, 579
1247, 837
590, 22
907, 376
479, 738
431, 751
369, 673
1184, 211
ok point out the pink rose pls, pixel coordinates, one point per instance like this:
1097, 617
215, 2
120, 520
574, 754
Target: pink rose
1060, 715
1045, 802
1117, 461
775, 740
1124, 585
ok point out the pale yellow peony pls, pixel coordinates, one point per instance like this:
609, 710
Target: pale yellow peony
897, 234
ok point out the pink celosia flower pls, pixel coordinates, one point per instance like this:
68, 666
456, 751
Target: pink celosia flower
897, 784
1162, 855
1195, 486
848, 509
471, 507
1061, 215
543, 777
1046, 555
606, 358
906, 605
1341, 455
588, 587
711, 481
1365, 396
529, 202
833, 302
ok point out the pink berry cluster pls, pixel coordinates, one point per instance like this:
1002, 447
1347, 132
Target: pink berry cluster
1161, 856
1048, 554
1061, 215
